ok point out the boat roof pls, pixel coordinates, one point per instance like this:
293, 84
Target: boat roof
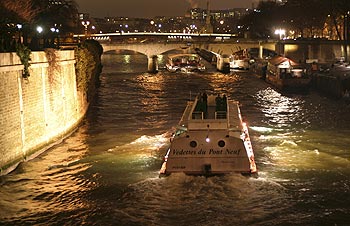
182, 55
277, 60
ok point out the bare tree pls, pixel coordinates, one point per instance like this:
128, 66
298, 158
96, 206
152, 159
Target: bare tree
30, 13
22, 9
64, 14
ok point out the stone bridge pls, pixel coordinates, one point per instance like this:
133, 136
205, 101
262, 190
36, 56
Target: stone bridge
222, 45
221, 49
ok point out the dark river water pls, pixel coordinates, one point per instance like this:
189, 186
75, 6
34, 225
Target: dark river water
106, 173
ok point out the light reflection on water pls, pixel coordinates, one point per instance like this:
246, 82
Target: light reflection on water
107, 172
51, 181
280, 110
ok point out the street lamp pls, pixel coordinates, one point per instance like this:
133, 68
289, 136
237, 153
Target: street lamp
39, 29
54, 31
85, 24
19, 27
152, 25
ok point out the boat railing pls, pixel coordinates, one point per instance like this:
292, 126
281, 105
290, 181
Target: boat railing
233, 115
220, 114
186, 113
198, 115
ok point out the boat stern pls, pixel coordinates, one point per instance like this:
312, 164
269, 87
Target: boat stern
196, 154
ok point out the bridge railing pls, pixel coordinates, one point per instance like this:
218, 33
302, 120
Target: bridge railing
146, 37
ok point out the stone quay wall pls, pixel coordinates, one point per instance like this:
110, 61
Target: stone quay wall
328, 85
332, 84
39, 111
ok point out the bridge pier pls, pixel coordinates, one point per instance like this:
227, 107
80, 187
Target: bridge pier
279, 48
261, 51
152, 64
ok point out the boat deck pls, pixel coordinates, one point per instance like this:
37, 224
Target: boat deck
211, 112
227, 116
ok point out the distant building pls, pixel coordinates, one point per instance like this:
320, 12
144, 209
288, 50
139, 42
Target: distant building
208, 27
281, 2
197, 14
123, 24
61, 2
84, 16
196, 20
221, 21
201, 14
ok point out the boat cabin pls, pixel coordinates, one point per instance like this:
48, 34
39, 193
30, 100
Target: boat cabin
184, 63
284, 68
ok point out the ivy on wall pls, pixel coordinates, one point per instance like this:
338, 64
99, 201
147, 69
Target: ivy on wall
52, 58
88, 66
84, 67
23, 52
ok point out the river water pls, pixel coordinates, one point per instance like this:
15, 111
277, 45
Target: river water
106, 173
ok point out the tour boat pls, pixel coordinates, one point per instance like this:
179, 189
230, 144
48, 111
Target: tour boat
240, 60
210, 139
287, 75
237, 62
185, 63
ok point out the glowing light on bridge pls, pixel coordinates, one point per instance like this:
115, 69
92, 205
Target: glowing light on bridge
280, 32
169, 34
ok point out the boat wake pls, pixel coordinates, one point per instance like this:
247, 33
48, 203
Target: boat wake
196, 200
144, 144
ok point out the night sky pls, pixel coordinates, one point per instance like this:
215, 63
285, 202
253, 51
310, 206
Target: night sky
152, 8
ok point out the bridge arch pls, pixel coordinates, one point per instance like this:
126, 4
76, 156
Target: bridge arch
223, 56
151, 50
148, 49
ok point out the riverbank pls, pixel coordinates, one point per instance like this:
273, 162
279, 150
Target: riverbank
333, 81
43, 107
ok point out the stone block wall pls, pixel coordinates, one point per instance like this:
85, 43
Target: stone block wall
38, 111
